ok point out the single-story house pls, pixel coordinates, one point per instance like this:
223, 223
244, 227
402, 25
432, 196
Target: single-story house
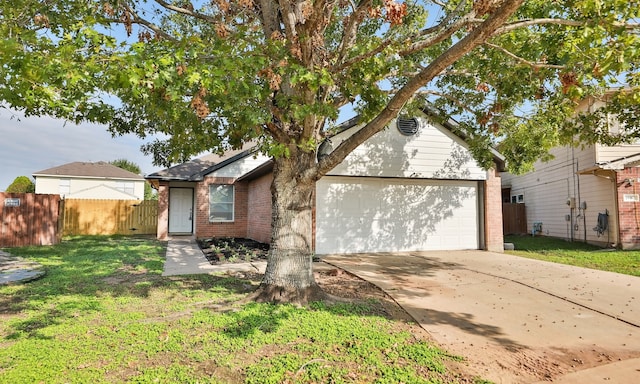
585, 193
413, 186
87, 180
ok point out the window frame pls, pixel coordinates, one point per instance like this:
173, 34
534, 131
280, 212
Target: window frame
126, 186
66, 184
232, 203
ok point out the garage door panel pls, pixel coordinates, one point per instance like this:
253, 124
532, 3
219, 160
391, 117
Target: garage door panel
381, 215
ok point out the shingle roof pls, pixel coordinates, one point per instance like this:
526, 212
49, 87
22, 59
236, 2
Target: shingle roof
195, 170
99, 169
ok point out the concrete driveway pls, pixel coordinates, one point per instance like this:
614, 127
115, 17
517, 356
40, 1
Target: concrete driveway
516, 320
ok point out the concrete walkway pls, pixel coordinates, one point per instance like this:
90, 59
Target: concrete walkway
516, 320
184, 257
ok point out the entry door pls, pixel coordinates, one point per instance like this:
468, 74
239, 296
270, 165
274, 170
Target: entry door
180, 210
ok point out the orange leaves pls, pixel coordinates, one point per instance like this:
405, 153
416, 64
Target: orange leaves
246, 3
483, 7
482, 87
199, 104
221, 30
394, 12
223, 5
41, 20
568, 80
273, 78
181, 69
127, 19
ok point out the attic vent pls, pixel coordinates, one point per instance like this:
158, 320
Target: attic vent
408, 127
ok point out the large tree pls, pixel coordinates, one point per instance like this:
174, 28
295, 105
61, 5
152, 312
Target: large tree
216, 74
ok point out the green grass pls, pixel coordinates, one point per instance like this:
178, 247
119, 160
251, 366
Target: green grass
575, 253
104, 314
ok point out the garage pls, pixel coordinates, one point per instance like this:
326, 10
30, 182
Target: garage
370, 214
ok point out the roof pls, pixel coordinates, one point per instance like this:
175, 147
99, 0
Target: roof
195, 170
100, 169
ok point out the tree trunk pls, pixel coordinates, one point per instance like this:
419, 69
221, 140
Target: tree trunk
289, 274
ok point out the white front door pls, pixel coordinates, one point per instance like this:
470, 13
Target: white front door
180, 210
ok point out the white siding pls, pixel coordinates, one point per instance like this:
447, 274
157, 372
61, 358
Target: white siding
91, 188
604, 153
547, 189
433, 152
240, 167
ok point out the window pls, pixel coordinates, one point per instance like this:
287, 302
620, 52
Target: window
125, 186
64, 187
220, 203
517, 199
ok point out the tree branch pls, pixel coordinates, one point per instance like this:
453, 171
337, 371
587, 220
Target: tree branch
186, 11
155, 28
524, 61
350, 33
572, 23
473, 39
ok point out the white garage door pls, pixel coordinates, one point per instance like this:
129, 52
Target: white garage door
355, 214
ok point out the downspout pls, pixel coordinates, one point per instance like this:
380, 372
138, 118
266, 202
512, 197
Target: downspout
570, 230
614, 182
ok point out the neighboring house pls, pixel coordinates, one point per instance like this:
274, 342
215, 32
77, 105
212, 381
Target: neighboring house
589, 193
80, 180
419, 189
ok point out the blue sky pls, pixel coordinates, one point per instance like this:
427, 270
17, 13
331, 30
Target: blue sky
31, 144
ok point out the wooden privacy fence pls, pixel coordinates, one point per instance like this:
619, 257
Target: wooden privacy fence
110, 217
514, 219
29, 219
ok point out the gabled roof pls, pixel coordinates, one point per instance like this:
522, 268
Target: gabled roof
196, 169
100, 169
450, 124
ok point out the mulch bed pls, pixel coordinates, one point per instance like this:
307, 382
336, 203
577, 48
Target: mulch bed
223, 250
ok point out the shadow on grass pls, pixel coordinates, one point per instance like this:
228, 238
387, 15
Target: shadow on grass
82, 271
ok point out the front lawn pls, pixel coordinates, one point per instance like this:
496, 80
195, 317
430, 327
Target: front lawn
575, 253
104, 314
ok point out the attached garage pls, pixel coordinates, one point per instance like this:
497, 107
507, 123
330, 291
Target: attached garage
403, 190
362, 214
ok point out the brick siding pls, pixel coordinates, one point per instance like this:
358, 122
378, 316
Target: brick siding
259, 203
628, 212
163, 211
494, 239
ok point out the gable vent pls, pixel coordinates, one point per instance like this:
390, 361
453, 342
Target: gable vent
407, 127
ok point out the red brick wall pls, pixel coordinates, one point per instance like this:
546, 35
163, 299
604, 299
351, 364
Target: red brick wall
259, 214
163, 211
494, 239
237, 228
628, 212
